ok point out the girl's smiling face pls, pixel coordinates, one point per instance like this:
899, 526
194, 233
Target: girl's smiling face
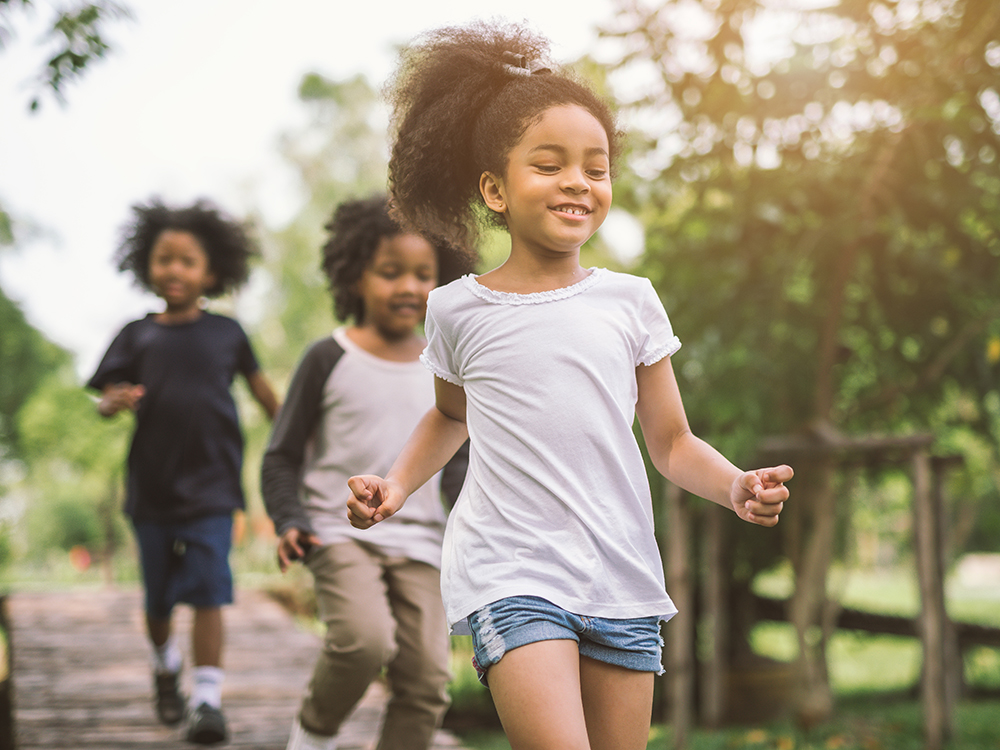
395, 285
179, 270
556, 190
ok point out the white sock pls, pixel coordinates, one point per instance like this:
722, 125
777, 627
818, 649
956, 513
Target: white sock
302, 739
207, 687
167, 658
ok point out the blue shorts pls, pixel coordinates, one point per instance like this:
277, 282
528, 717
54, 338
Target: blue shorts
519, 620
185, 563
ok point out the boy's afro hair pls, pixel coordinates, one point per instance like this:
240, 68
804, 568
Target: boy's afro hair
356, 229
226, 241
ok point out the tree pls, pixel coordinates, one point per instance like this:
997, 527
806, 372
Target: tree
822, 210
78, 40
26, 357
340, 154
75, 467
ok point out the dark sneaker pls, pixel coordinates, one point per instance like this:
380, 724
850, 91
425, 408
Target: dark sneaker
206, 726
169, 702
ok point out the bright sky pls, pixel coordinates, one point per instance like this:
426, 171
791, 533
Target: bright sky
191, 103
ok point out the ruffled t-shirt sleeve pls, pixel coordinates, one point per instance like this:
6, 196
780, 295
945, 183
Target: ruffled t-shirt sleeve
439, 354
656, 335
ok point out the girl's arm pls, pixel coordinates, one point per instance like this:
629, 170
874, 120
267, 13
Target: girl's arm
262, 391
434, 440
691, 463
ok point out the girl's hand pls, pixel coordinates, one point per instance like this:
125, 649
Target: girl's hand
120, 396
758, 496
293, 545
373, 499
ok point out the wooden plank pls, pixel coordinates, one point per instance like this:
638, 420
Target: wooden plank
82, 677
933, 617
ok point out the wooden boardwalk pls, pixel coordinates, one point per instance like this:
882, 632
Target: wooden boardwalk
82, 677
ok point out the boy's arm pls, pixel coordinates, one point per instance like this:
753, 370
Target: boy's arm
298, 418
262, 391
691, 463
437, 436
117, 397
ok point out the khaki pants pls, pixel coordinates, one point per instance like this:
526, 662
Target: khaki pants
380, 612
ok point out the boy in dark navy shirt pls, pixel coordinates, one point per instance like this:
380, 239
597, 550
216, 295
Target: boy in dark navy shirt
174, 369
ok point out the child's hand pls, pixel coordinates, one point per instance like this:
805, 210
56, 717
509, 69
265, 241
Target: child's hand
120, 396
758, 496
293, 545
373, 499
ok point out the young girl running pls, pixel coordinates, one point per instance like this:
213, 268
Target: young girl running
549, 555
354, 399
174, 369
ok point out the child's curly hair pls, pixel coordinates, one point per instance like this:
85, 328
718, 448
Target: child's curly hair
462, 98
226, 241
356, 229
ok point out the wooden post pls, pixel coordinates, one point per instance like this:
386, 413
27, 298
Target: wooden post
937, 709
954, 676
680, 667
715, 619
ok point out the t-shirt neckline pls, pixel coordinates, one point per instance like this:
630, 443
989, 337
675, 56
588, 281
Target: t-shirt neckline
533, 298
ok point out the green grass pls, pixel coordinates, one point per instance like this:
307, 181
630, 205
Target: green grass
862, 724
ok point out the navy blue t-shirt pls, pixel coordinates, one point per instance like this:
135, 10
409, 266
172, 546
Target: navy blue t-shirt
187, 449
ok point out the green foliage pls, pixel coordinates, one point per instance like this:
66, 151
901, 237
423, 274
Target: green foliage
803, 210
26, 356
77, 41
75, 461
340, 154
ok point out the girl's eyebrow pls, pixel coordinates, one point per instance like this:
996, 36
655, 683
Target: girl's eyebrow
592, 151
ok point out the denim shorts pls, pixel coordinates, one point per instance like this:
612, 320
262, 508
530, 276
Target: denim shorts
519, 620
186, 563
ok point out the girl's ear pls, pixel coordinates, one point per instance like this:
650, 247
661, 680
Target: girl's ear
491, 188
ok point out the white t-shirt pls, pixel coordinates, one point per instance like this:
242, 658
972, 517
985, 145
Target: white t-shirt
555, 503
370, 407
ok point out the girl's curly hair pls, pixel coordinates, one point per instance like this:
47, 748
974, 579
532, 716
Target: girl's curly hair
226, 241
356, 229
459, 106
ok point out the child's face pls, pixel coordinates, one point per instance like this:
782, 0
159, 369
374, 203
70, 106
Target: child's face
179, 270
556, 191
395, 285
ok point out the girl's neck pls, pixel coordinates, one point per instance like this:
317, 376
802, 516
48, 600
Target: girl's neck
528, 274
403, 349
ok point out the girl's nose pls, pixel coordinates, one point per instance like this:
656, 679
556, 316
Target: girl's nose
575, 181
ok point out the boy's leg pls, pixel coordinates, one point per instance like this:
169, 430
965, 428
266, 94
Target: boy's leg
536, 690
352, 601
617, 703
155, 542
418, 675
206, 647
207, 637
205, 581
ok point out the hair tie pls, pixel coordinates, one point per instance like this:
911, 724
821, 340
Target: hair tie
518, 65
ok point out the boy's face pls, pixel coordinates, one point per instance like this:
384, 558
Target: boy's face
179, 271
395, 285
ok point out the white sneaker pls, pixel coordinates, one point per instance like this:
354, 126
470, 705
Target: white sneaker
303, 739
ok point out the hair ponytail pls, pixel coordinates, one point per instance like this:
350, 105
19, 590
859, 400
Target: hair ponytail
461, 99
